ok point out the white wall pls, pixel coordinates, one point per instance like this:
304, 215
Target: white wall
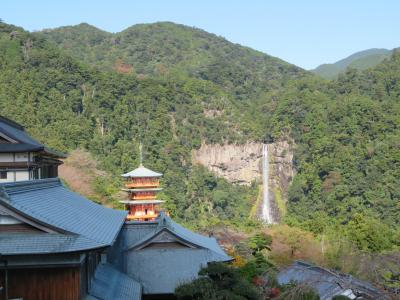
10, 177
6, 157
17, 157
20, 157
21, 175
16, 176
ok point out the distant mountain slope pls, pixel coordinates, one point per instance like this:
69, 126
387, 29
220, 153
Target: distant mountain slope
168, 48
361, 60
70, 105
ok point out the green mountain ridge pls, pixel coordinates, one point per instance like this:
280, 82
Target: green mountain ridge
168, 48
346, 131
360, 60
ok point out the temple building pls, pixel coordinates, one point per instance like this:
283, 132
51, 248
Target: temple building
162, 254
152, 248
142, 186
56, 244
22, 157
53, 245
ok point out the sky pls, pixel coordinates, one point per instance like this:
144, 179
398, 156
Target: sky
306, 33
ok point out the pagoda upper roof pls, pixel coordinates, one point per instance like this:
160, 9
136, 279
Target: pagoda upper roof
141, 172
140, 202
143, 190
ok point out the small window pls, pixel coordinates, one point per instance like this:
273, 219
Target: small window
3, 174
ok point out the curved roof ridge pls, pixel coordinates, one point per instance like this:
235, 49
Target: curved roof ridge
30, 185
49, 203
166, 223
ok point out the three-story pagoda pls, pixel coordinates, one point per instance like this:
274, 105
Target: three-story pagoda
142, 186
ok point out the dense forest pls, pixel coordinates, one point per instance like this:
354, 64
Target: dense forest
69, 105
169, 49
80, 87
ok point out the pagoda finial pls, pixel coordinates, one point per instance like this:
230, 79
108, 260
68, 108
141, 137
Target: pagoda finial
141, 154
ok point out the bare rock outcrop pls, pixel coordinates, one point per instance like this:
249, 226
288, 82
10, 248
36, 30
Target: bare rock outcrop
242, 164
238, 164
281, 165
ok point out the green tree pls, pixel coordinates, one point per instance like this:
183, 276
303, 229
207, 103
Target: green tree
217, 281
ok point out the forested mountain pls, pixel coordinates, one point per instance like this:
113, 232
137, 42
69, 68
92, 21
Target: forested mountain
170, 49
346, 131
68, 105
360, 60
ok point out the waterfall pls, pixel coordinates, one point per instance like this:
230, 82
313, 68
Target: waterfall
266, 213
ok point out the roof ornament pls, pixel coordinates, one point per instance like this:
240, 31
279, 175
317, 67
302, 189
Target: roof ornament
140, 155
162, 219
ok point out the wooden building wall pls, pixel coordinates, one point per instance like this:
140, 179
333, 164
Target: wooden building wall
18, 228
42, 284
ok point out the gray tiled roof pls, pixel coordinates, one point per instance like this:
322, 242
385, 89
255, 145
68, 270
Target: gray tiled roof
48, 202
327, 283
110, 284
25, 142
142, 172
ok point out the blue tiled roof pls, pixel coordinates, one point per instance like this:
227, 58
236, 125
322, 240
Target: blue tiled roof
18, 244
17, 132
165, 222
25, 142
110, 284
48, 202
161, 270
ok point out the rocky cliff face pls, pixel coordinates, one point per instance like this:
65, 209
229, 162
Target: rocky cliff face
241, 164
281, 164
238, 164
281, 172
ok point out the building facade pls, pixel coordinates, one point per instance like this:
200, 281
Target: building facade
22, 157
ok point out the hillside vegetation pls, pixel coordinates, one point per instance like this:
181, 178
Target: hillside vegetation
170, 49
360, 60
68, 105
346, 131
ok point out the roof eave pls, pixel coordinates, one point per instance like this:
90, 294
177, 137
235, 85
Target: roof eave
54, 153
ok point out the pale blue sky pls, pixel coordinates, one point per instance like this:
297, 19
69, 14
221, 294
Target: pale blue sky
306, 33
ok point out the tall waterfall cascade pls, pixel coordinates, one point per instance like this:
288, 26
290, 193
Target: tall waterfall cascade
266, 213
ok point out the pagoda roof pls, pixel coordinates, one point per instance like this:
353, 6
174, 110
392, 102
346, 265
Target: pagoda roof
142, 190
141, 172
138, 202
